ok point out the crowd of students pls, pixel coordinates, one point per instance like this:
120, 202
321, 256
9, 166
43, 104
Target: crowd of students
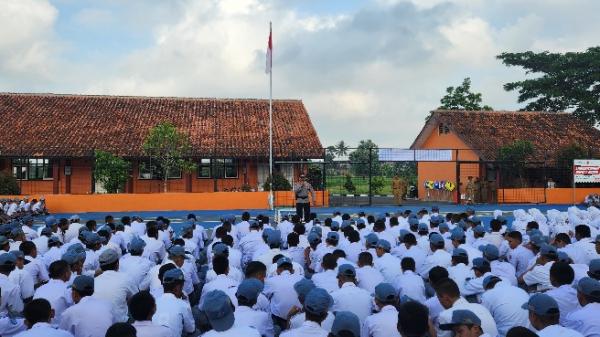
405, 274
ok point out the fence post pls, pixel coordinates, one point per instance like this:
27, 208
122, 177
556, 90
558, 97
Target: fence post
370, 176
324, 176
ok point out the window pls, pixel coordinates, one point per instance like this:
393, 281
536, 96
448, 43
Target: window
151, 171
443, 129
32, 169
218, 168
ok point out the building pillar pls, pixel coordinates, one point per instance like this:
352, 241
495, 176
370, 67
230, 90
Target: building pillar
56, 174
188, 182
68, 176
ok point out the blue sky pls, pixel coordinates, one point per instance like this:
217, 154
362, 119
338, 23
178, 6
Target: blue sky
364, 68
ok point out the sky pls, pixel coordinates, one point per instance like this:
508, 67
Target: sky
365, 69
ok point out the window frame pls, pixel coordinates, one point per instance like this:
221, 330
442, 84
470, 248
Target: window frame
34, 164
218, 168
153, 170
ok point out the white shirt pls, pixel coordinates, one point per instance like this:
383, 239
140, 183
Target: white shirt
138, 228
439, 258
280, 290
297, 320
174, 313
117, 288
30, 233
24, 280
52, 255
566, 297
250, 243
487, 321
460, 273
91, 263
9, 327
11, 301
472, 253
37, 269
41, 244
435, 308
326, 280
91, 317
504, 270
354, 299
539, 275
235, 331
558, 331
504, 302
72, 232
585, 320
308, 329
136, 267
368, 278
59, 296
519, 258
389, 266
382, 324
154, 250
45, 330
260, 320
221, 282
417, 254
149, 329
411, 285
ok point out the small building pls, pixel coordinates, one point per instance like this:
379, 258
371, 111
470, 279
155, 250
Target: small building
48, 141
475, 138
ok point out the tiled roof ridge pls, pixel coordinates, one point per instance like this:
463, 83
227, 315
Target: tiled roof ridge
503, 112
180, 98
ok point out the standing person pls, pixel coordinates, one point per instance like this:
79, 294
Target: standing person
470, 189
302, 190
398, 189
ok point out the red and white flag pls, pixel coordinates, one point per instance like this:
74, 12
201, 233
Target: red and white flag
269, 52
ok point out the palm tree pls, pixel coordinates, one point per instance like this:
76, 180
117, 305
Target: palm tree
342, 148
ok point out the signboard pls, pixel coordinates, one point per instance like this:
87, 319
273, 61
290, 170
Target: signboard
586, 171
414, 155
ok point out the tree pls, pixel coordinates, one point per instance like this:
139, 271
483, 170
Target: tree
315, 177
349, 184
9, 184
280, 183
566, 154
461, 98
562, 82
111, 171
513, 158
366, 152
377, 184
341, 149
168, 148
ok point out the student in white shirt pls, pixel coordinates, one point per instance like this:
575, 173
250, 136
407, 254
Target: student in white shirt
222, 281
367, 276
38, 314
504, 301
345, 324
350, 297
247, 295
385, 322
113, 285
21, 277
328, 278
386, 263
10, 301
585, 320
518, 255
465, 323
172, 310
459, 271
297, 316
413, 319
439, 257
561, 278
544, 317
409, 284
316, 307
280, 290
539, 274
142, 307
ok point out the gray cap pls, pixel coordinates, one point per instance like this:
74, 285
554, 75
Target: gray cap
490, 252
423, 227
402, 234
489, 279
371, 240
249, 289
177, 250
274, 237
476, 220
3, 240
413, 221
220, 249
345, 224
385, 293
173, 276
335, 226
92, 238
347, 270
346, 321
50, 221
384, 244
7, 259
219, 310
460, 252
317, 229
76, 248
47, 231
595, 266
74, 217
542, 305
136, 245
436, 239
537, 240
479, 229
563, 257
18, 254
317, 301
589, 287
444, 226
53, 239
313, 238
72, 257
333, 236
303, 287
108, 256
283, 260
83, 283
597, 240
548, 250
480, 262
461, 317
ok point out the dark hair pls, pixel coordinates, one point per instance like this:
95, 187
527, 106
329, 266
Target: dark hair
38, 310
408, 263
460, 259
227, 239
58, 268
327, 222
562, 237
121, 330
163, 269
365, 258
515, 235
220, 264
245, 216
141, 305
299, 229
353, 236
339, 253
276, 258
152, 230
110, 266
90, 224
413, 319
533, 225
108, 218
221, 231
437, 274
410, 239
254, 268
379, 225
293, 239
447, 287
126, 220
394, 221
562, 273
520, 331
27, 247
583, 231
329, 261
495, 225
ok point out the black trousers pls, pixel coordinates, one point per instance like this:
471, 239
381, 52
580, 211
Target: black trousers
303, 210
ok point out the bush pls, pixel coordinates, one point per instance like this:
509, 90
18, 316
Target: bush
377, 184
9, 184
279, 184
315, 177
349, 184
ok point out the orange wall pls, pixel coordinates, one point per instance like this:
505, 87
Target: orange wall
287, 199
560, 196
445, 170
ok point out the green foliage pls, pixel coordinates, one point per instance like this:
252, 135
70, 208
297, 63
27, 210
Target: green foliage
315, 177
279, 183
377, 184
513, 158
349, 185
561, 82
461, 98
9, 184
366, 152
168, 147
567, 154
111, 171
341, 149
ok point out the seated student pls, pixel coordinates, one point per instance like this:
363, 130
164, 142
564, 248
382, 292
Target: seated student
439, 257
561, 277
89, 316
56, 290
409, 283
518, 255
21, 277
585, 320
172, 310
349, 297
327, 279
33, 263
222, 250
316, 307
460, 270
504, 301
113, 285
257, 270
544, 316
280, 289
133, 263
345, 324
10, 326
220, 313
247, 294
386, 263
465, 323
436, 275
474, 287
413, 319
142, 307
38, 314
121, 330
297, 316
368, 277
222, 282
294, 251
594, 269
385, 321
539, 274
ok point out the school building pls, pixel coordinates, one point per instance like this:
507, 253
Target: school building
48, 141
473, 140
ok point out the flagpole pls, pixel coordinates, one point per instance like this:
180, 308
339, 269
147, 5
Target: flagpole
271, 201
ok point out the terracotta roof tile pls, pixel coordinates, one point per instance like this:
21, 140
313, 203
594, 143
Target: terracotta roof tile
74, 125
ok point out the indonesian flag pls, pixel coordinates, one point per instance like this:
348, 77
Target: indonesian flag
269, 52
